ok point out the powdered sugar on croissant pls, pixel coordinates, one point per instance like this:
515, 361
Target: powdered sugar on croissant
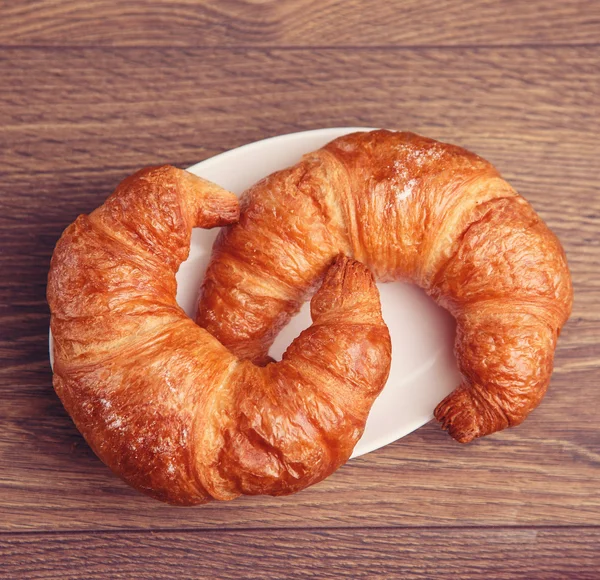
414, 209
161, 401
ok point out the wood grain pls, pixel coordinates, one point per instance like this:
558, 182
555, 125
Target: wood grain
502, 553
72, 114
305, 23
76, 121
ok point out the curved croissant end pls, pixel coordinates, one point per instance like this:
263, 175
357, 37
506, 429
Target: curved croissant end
162, 402
414, 209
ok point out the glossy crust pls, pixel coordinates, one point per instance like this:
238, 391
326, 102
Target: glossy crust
162, 402
414, 209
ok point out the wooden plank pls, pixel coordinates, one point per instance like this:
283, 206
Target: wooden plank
496, 554
533, 112
298, 22
76, 121
51, 481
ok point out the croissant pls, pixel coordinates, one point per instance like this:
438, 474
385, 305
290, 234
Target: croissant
162, 402
412, 209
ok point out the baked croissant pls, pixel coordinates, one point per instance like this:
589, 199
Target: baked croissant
413, 209
162, 402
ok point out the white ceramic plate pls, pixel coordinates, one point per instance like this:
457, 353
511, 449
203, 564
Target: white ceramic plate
423, 365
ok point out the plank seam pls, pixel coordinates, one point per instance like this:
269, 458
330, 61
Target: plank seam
141, 531
267, 48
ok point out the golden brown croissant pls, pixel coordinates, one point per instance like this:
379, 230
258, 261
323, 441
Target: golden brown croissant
162, 402
414, 209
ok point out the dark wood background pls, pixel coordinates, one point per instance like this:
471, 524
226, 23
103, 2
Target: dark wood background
91, 91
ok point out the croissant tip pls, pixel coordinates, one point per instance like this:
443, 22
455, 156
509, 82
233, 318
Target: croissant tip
213, 206
453, 416
343, 262
349, 275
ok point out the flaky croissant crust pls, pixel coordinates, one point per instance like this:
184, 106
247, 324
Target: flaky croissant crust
414, 209
161, 401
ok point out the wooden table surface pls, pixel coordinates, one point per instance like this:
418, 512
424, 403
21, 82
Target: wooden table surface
89, 92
